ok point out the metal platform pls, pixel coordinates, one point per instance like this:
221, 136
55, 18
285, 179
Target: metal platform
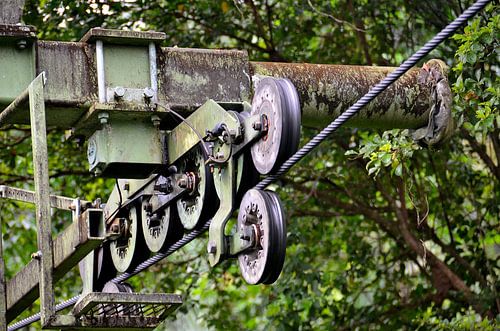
122, 311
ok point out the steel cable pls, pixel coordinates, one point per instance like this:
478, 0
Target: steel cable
302, 152
374, 92
123, 277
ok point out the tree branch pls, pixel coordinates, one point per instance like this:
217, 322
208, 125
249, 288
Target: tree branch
439, 267
479, 149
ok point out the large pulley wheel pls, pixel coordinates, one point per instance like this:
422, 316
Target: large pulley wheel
263, 213
277, 102
129, 249
199, 202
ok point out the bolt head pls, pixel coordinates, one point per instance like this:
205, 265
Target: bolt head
103, 117
22, 44
257, 126
211, 247
119, 92
182, 182
148, 93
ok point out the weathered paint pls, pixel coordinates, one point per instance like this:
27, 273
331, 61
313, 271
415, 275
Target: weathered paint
42, 200
189, 77
326, 91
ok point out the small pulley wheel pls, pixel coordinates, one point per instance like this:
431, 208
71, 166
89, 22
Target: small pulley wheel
155, 226
117, 309
200, 200
129, 249
263, 212
111, 287
277, 102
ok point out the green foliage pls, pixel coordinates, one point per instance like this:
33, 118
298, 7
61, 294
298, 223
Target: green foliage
477, 87
364, 230
392, 149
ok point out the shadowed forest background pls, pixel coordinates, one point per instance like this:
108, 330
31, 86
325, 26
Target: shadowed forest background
382, 233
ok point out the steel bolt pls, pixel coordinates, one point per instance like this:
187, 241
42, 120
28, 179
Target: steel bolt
126, 186
119, 92
164, 187
148, 207
156, 121
183, 182
22, 44
149, 93
97, 171
103, 118
257, 125
211, 247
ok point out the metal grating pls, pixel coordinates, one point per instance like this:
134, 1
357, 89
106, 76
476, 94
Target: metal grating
124, 310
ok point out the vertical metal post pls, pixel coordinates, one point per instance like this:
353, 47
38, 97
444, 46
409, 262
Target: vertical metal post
3, 297
101, 77
153, 70
42, 197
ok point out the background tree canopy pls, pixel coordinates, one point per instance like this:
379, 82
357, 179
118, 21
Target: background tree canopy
383, 234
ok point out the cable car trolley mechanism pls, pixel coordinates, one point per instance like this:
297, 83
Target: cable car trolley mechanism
187, 134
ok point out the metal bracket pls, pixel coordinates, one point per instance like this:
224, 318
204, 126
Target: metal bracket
113, 82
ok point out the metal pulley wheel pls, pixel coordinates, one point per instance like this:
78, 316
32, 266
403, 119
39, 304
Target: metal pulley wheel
117, 309
111, 287
129, 249
277, 101
200, 200
155, 227
263, 212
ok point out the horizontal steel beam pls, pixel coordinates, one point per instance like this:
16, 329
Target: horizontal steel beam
189, 77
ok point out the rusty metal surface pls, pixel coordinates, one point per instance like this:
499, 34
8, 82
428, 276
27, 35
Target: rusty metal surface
71, 79
327, 90
101, 323
70, 247
189, 77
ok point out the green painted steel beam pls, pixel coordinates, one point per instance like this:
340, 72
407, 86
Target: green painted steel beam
187, 78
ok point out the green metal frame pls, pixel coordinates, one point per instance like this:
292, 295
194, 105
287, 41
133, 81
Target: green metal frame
54, 257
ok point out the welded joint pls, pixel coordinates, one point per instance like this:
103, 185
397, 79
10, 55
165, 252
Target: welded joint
441, 125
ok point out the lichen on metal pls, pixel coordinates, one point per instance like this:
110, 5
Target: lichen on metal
327, 90
192, 76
